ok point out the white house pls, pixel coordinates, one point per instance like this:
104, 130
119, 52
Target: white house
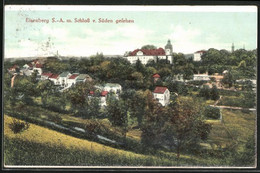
72, 79
45, 76
84, 78
113, 87
55, 79
38, 68
201, 77
26, 66
198, 54
63, 78
103, 98
146, 55
162, 94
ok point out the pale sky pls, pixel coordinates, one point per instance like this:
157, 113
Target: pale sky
189, 28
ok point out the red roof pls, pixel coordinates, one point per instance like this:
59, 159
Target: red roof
54, 76
73, 76
91, 92
14, 67
36, 61
46, 74
156, 75
152, 52
160, 90
104, 93
38, 65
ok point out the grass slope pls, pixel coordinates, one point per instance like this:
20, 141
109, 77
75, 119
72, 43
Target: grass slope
41, 146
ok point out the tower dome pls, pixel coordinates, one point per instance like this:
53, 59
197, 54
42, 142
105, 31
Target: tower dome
168, 48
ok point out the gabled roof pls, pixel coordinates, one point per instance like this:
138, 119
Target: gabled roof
104, 93
54, 76
73, 76
91, 92
82, 77
47, 74
160, 90
38, 65
64, 74
156, 75
152, 52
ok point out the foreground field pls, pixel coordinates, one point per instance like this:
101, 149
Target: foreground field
42, 146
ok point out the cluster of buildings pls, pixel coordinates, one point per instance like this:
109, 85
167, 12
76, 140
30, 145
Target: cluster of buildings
147, 55
64, 80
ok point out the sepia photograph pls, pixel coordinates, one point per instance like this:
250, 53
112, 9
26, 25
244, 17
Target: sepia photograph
99, 86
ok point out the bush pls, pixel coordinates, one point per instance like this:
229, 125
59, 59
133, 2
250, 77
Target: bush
18, 126
212, 112
246, 100
54, 118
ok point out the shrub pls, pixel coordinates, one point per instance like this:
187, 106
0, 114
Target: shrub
18, 126
54, 118
212, 112
246, 100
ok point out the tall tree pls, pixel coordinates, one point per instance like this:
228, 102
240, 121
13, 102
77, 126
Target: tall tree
117, 114
149, 47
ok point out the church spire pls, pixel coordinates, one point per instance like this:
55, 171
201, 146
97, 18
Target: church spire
232, 48
168, 47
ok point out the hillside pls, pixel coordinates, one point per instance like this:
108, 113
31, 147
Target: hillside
41, 146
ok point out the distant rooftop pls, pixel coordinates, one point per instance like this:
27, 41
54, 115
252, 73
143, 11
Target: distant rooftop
64, 74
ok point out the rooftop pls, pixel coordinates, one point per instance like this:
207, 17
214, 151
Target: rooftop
54, 76
104, 93
82, 76
156, 75
112, 85
64, 74
47, 74
73, 76
38, 65
152, 52
160, 90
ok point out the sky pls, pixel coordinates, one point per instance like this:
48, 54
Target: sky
189, 28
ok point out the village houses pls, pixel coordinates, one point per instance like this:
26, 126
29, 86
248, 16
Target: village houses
72, 79
63, 78
162, 94
55, 79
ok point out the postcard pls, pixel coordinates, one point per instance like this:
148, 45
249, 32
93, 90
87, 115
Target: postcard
130, 86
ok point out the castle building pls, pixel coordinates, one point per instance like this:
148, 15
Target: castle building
146, 55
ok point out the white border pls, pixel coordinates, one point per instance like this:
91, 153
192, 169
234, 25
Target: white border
180, 8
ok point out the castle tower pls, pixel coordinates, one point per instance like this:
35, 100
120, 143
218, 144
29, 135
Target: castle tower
168, 48
232, 48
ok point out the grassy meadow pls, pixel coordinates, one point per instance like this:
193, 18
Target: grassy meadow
42, 146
